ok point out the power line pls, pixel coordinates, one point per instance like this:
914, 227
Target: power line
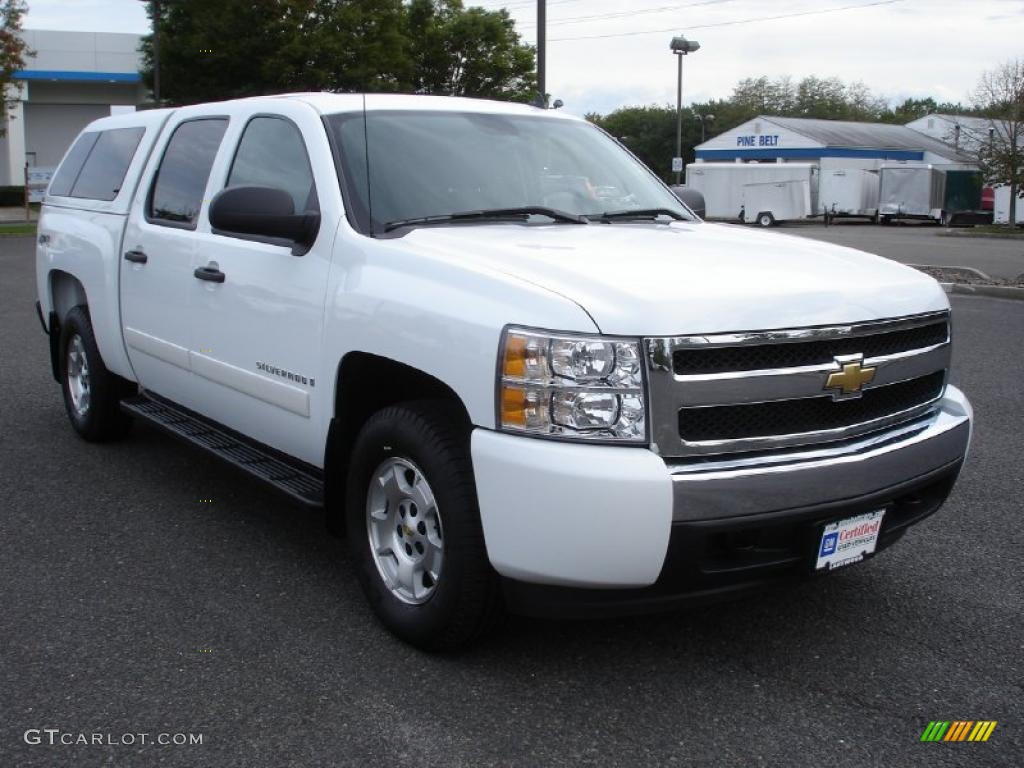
523, 4
726, 23
623, 14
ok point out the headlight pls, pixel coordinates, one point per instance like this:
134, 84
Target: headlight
571, 387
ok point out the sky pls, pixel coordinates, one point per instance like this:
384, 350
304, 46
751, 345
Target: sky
604, 54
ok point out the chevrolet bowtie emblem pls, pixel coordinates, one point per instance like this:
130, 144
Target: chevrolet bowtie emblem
851, 377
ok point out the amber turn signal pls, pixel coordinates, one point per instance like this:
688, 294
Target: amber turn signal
514, 404
514, 365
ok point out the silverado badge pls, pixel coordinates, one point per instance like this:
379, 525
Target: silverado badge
848, 382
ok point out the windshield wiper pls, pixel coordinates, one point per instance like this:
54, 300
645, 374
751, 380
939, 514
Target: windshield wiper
497, 214
639, 213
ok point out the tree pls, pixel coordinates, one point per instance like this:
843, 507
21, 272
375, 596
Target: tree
346, 45
814, 97
13, 52
650, 134
468, 52
761, 96
912, 109
999, 99
208, 50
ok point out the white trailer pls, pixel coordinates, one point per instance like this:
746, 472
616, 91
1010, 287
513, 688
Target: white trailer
848, 192
767, 203
1001, 207
845, 163
722, 184
910, 192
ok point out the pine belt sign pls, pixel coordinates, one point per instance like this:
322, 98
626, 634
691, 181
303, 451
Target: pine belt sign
762, 140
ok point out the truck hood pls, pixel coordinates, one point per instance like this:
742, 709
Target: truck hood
648, 279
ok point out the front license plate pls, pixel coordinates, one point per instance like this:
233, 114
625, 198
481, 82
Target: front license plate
847, 541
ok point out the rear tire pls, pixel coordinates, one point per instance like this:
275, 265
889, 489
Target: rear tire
92, 394
765, 220
413, 527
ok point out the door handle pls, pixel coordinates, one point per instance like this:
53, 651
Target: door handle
137, 257
210, 274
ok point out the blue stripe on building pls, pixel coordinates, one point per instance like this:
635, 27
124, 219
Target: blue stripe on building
771, 154
78, 77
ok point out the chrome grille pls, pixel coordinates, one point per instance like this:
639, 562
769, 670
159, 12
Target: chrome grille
737, 392
755, 357
735, 422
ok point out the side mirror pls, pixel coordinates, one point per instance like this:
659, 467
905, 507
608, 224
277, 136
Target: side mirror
263, 213
691, 198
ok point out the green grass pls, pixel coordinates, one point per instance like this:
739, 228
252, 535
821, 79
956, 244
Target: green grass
992, 230
17, 228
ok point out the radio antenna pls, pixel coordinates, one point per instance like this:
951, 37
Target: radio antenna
366, 149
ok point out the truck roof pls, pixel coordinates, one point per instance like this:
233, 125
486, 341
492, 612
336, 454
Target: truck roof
147, 118
332, 103
329, 103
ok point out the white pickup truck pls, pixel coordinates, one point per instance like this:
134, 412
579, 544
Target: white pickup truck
496, 350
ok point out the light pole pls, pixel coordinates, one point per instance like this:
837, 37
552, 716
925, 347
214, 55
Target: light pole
680, 46
702, 119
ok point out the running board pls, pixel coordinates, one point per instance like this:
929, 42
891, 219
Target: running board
301, 482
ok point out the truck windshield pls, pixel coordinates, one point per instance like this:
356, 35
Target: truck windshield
413, 165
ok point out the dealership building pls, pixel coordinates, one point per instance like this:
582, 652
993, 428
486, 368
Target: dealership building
74, 78
803, 140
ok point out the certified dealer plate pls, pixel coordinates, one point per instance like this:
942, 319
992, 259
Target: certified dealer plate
847, 541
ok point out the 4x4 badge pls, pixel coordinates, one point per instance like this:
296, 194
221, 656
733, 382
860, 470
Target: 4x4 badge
848, 382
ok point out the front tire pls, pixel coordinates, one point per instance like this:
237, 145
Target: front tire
413, 527
92, 394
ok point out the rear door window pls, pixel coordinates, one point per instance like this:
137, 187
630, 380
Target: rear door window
68, 172
103, 173
180, 182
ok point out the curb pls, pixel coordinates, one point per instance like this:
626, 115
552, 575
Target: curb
990, 291
972, 270
989, 235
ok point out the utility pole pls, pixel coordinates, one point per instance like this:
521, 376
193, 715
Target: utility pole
156, 52
156, 12
542, 33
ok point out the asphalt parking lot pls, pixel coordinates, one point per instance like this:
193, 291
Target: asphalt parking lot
913, 243
147, 589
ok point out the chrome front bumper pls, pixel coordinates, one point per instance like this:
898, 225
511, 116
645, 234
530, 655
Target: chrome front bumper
710, 489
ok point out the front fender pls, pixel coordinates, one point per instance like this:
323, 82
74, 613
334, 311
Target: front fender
434, 314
